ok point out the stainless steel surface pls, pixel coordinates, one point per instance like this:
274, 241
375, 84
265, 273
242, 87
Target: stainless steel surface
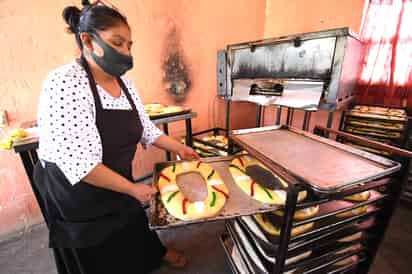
304, 36
331, 57
222, 90
236, 262
311, 60
238, 203
345, 72
321, 163
256, 264
296, 94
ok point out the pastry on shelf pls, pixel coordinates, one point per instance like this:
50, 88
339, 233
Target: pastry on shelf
301, 214
274, 229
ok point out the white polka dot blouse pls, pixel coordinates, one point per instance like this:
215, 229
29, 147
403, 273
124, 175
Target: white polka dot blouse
66, 117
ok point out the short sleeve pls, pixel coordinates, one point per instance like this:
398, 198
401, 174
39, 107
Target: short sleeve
150, 131
67, 131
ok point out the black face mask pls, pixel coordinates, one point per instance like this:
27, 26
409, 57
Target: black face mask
112, 61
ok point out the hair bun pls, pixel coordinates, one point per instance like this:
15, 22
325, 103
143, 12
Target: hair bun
85, 3
72, 16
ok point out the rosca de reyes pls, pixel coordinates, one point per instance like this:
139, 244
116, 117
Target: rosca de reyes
174, 199
255, 189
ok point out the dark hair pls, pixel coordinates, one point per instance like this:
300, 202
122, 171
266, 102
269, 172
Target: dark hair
92, 18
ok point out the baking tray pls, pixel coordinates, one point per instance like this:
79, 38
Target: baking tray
377, 117
324, 165
267, 255
399, 127
255, 260
185, 110
322, 226
373, 133
332, 208
238, 203
259, 264
233, 256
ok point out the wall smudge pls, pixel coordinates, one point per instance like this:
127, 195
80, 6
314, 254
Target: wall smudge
176, 74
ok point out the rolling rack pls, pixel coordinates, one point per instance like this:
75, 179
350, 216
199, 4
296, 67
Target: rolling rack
331, 240
403, 141
401, 127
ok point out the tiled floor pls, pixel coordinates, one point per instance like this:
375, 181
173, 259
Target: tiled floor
28, 253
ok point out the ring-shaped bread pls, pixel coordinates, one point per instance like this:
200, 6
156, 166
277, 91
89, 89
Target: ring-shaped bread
178, 205
358, 197
252, 188
353, 212
302, 214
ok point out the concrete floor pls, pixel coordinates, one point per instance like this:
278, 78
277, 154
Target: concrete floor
27, 253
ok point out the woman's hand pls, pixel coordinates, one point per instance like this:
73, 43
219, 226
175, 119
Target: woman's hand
184, 152
142, 192
187, 153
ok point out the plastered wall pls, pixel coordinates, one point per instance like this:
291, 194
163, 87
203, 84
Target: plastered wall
284, 17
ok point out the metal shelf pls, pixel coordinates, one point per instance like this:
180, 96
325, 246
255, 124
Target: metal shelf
332, 208
326, 236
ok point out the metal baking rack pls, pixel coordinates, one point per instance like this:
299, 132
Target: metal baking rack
404, 141
209, 148
400, 141
261, 252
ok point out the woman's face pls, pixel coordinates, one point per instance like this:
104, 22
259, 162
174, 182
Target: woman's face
119, 37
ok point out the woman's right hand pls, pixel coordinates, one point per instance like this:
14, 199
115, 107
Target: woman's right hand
142, 192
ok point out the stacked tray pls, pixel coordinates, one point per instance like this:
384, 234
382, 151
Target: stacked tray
385, 125
327, 171
344, 183
210, 145
333, 244
212, 142
323, 165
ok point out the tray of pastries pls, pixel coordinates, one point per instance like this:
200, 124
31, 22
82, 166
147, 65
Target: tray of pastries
213, 189
379, 113
156, 110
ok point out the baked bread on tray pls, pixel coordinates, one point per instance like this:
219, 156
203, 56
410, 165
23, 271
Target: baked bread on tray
275, 194
181, 207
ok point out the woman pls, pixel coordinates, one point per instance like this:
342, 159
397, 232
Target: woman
91, 119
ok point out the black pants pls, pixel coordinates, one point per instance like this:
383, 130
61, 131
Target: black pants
134, 249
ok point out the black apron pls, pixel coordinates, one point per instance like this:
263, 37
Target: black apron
94, 230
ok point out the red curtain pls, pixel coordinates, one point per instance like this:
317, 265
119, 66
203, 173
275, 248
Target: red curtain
386, 74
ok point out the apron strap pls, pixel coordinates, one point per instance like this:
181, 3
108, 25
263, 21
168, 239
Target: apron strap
93, 87
92, 84
128, 96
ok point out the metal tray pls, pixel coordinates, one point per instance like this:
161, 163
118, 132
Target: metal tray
324, 221
260, 264
233, 256
267, 255
324, 165
256, 261
238, 203
164, 115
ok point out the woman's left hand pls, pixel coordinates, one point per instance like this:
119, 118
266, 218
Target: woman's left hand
187, 153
